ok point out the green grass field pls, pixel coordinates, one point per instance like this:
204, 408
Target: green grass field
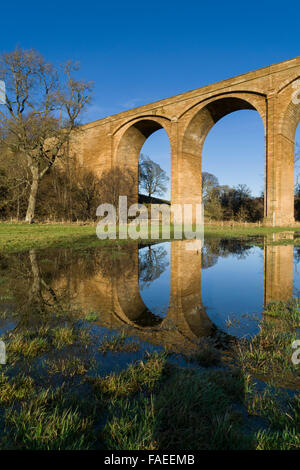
22, 237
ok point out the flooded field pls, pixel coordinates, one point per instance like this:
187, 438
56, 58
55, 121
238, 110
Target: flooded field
76, 321
164, 294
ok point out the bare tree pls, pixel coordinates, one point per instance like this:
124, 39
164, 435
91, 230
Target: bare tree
41, 111
88, 193
17, 176
152, 178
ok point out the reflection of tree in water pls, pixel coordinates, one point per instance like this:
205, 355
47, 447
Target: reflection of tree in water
33, 300
209, 257
152, 263
296, 291
41, 284
297, 254
215, 248
238, 248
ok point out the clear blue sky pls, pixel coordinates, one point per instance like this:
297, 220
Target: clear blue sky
138, 52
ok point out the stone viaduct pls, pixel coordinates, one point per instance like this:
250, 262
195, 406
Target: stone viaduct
187, 118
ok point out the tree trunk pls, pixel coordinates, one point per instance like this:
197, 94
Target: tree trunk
33, 195
18, 205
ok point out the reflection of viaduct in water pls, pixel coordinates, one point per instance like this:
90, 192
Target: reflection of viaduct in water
118, 297
278, 270
186, 318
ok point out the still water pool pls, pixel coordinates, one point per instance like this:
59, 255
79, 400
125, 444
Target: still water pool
165, 293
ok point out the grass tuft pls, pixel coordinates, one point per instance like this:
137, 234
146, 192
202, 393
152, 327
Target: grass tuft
118, 343
67, 367
138, 376
48, 422
18, 388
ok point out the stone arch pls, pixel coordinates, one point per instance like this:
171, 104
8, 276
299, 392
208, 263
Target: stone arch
130, 138
198, 121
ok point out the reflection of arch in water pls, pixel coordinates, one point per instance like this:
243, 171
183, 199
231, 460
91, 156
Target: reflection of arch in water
185, 313
127, 302
154, 265
186, 309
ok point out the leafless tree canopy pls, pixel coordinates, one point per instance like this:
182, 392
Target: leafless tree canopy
43, 105
152, 178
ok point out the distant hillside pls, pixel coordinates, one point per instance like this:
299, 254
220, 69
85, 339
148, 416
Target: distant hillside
143, 199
